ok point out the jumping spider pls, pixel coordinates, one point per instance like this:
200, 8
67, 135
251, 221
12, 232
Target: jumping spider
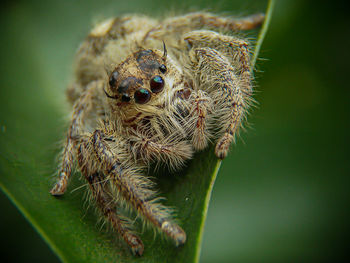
148, 91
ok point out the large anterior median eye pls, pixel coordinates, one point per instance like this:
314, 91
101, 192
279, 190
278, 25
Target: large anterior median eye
142, 96
157, 84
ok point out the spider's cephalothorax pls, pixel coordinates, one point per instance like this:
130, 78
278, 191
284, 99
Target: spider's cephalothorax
142, 85
138, 101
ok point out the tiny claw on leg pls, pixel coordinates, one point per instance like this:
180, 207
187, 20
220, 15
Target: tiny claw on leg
251, 22
175, 232
61, 186
57, 190
223, 146
135, 244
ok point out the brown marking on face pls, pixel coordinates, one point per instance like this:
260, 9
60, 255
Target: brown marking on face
148, 61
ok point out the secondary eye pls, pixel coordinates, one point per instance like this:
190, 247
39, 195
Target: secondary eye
125, 98
142, 96
157, 84
113, 79
162, 68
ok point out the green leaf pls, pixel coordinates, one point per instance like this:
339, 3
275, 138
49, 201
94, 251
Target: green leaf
31, 124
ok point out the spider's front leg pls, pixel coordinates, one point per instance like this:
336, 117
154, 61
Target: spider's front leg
216, 75
105, 201
234, 49
134, 188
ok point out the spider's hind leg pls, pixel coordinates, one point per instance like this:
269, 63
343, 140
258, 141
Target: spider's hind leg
199, 20
81, 110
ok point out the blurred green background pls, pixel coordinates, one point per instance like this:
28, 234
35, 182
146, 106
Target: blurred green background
282, 194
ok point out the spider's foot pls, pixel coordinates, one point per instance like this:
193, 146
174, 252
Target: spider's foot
61, 186
222, 147
135, 244
57, 190
175, 232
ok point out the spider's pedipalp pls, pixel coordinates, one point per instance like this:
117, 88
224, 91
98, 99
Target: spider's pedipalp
201, 120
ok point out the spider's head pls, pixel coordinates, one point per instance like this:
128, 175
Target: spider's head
143, 82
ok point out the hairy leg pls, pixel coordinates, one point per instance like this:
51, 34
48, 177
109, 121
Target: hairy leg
105, 201
201, 110
235, 49
81, 110
216, 75
198, 20
143, 146
135, 189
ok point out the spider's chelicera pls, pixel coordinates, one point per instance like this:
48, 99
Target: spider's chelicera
138, 102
